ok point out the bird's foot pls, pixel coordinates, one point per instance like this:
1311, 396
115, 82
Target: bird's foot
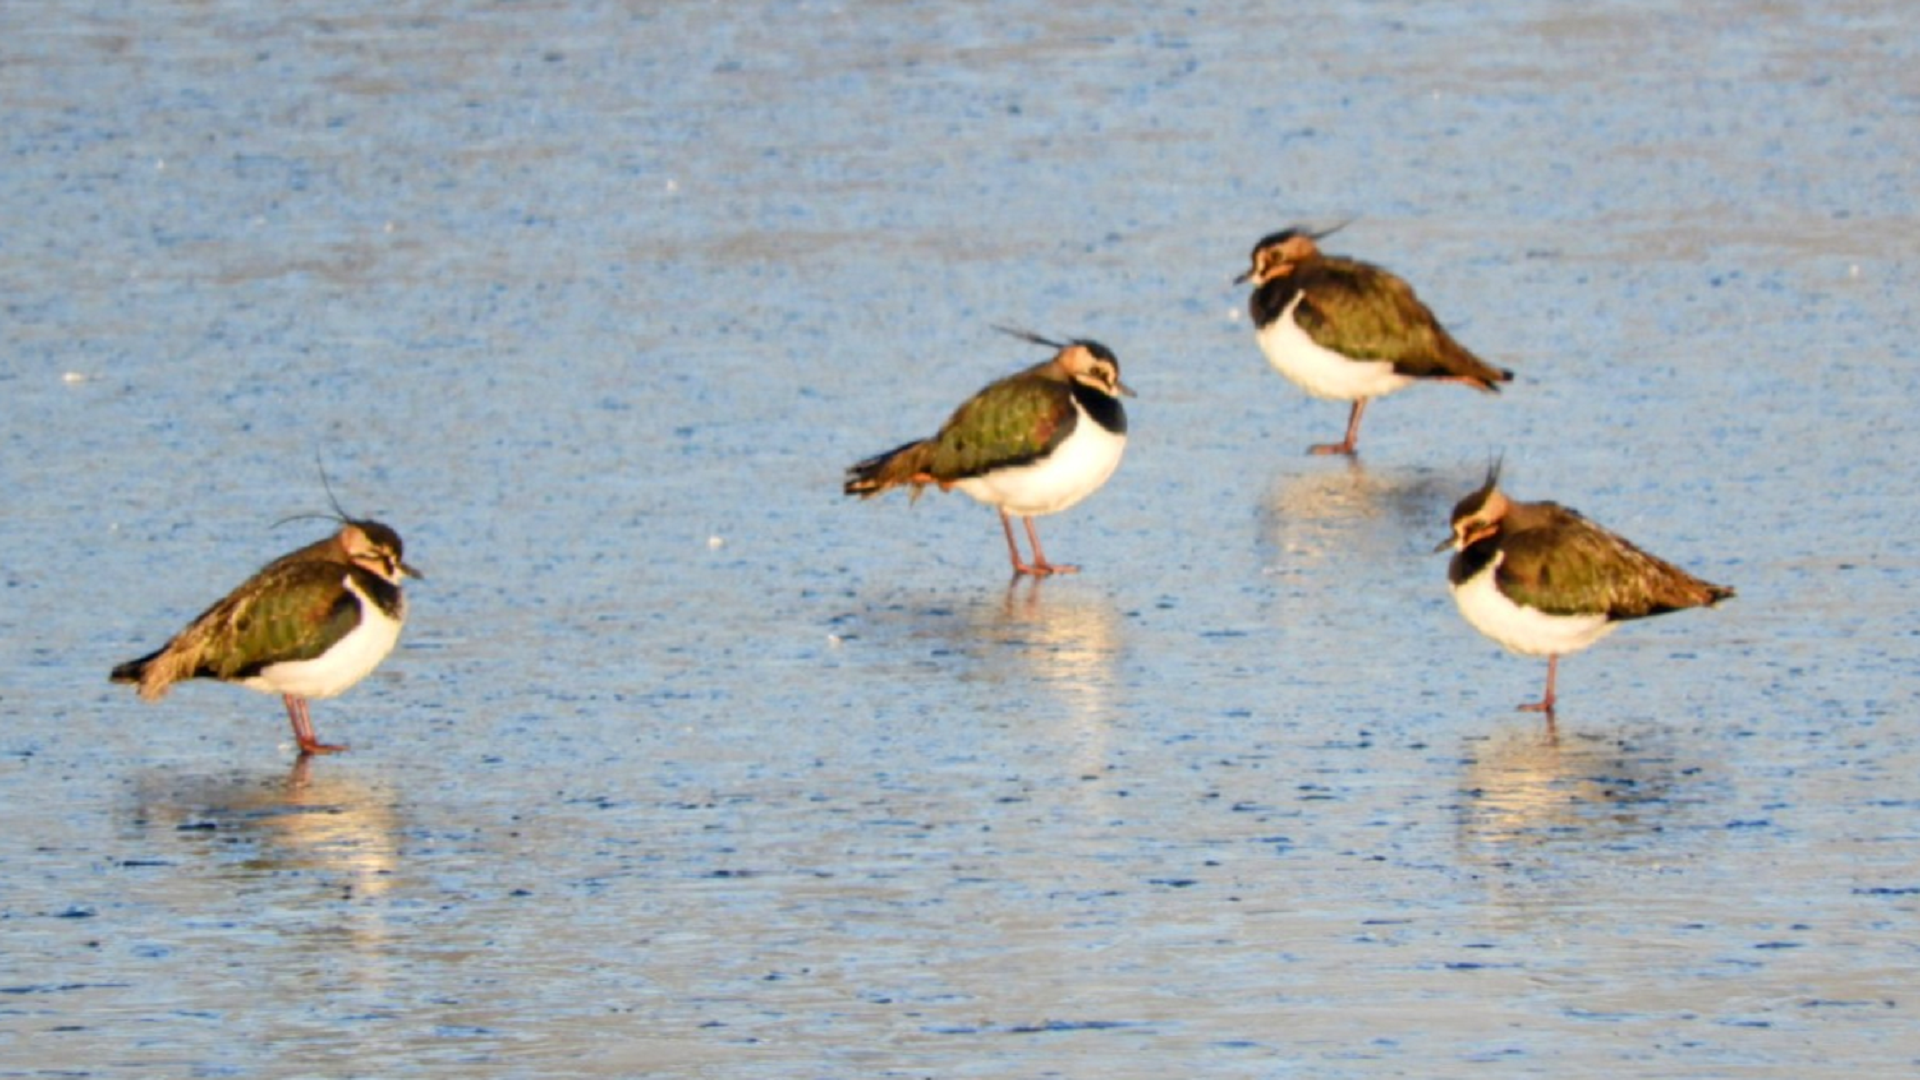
1539, 707
314, 746
1344, 449
1044, 569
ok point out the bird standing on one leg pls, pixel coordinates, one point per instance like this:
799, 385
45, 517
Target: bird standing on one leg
309, 624
1033, 443
1543, 581
1349, 330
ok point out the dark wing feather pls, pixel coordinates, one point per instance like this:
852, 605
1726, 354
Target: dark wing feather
1010, 422
300, 622
1367, 313
287, 611
1013, 421
1573, 566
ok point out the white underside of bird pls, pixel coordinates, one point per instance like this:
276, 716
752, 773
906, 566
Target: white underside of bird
1319, 370
1075, 470
1521, 629
351, 659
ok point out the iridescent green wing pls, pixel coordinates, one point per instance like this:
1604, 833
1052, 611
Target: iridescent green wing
1364, 312
1576, 567
289, 611
1011, 422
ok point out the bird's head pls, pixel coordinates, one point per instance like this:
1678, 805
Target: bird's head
1277, 254
1479, 515
1083, 360
376, 548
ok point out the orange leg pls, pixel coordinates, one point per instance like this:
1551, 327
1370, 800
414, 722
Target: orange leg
1013, 549
1545, 704
1040, 563
1040, 566
1353, 433
303, 728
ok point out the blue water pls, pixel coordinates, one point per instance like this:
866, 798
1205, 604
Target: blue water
687, 766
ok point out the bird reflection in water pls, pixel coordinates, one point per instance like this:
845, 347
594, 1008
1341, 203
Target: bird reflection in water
1316, 514
306, 839
1535, 801
1066, 641
1532, 786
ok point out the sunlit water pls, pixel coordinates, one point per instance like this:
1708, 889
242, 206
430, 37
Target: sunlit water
687, 766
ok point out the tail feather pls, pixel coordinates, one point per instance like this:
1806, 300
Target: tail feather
1460, 363
1486, 376
132, 670
904, 464
153, 672
1676, 590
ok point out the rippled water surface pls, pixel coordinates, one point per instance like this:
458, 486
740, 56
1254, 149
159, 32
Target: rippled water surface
687, 766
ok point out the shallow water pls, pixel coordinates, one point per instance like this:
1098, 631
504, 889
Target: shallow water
688, 766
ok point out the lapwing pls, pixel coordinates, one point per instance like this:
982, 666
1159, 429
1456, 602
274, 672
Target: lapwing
1544, 581
307, 625
1033, 443
1347, 330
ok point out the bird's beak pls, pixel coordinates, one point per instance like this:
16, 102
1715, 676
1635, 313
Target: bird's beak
1125, 390
409, 571
1245, 275
1443, 545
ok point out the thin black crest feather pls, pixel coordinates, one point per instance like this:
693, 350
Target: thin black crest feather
1293, 231
1089, 344
1472, 502
307, 517
328, 485
1030, 336
1330, 230
339, 514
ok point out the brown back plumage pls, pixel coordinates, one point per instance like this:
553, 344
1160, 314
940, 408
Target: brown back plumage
1012, 421
1554, 560
1358, 310
294, 608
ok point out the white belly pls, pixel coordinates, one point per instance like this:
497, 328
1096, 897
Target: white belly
1321, 371
1075, 471
1521, 629
346, 663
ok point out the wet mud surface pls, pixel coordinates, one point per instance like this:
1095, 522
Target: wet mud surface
688, 766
